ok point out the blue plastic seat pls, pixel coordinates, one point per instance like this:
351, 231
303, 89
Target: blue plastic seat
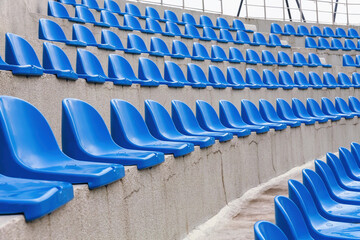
89, 67
251, 115
289, 29
56, 9
152, 13
196, 75
314, 110
349, 44
243, 38
268, 231
315, 80
186, 122
172, 28
300, 79
304, 31
315, 30
269, 114
226, 36
112, 40
328, 32
353, 33
69, 2
300, 60
135, 45
80, 33
324, 44
149, 71
355, 151
290, 220
275, 41
233, 76
329, 108
51, 31
285, 112
222, 23
268, 58
216, 76
351, 168
158, 48
85, 137
209, 120
133, 10
311, 43
208, 32
205, 21
336, 43
112, 6
260, 39
230, 117
238, 25
173, 73
218, 54
354, 104
344, 81
254, 78
21, 57
200, 53
342, 107
34, 198
119, 68
300, 111
31, 150
56, 62
170, 16
109, 18
330, 81
162, 127
269, 78
276, 28
86, 15
284, 59
315, 60
355, 79
128, 129
180, 50
348, 61
91, 4
192, 32
133, 23
235, 55
253, 58
285, 79
189, 19
154, 26
340, 32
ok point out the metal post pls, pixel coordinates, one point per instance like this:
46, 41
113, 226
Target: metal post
283, 5
300, 10
347, 12
265, 9
221, 7
335, 11
288, 8
317, 12
247, 11
332, 11
203, 6
183, 4
240, 6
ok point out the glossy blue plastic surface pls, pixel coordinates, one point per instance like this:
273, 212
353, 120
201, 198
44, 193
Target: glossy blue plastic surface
303, 30
264, 230
289, 29
172, 28
243, 38
148, 71
329, 80
196, 75
253, 58
350, 164
192, 32
30, 150
355, 77
56, 9
324, 44
154, 26
21, 57
328, 108
234, 76
354, 104
252, 116
300, 79
300, 111
269, 79
205, 21
173, 73
200, 52
135, 45
111, 39
328, 32
109, 18
158, 47
133, 23
34, 198
340, 32
210, 33
285, 79
70, 2
235, 55
129, 130
85, 137
223, 24
315, 60
353, 33
355, 150
189, 19
218, 54
186, 123
285, 112
349, 44
344, 80
112, 6
91, 4
348, 61
171, 16
151, 12
162, 127
268, 58
230, 117
216, 76
253, 78
290, 220
269, 114
80, 33
260, 39
314, 110
86, 15
120, 69
276, 28
133, 10
300, 60
315, 80
226, 36
284, 59
315, 30
209, 120
275, 40
336, 43
310, 43
180, 50
56, 62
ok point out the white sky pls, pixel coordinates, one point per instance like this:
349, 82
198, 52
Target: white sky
274, 9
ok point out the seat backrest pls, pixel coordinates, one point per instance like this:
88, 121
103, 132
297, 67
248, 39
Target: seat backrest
352, 32
87, 63
216, 75
234, 76
85, 14
336, 43
323, 42
171, 27
158, 45
149, 71
348, 160
109, 18
355, 77
153, 25
173, 72
251, 55
329, 79
56, 9
229, 114
170, 16
218, 52
336, 166
110, 38
120, 68
200, 51
299, 108
269, 78
222, 23
283, 57
132, 22
303, 30
243, 37
314, 79
83, 34
340, 32
183, 116
343, 79
314, 59
253, 77
188, 18
132, 10
50, 30
226, 35
19, 52
275, 28
208, 32
310, 42
284, 109
191, 31
90, 4
205, 21
300, 79
315, 30
235, 54
55, 58
268, 57
328, 107
327, 31
289, 29
195, 74
206, 115
250, 113
112, 6
237, 24
268, 111
349, 44
275, 40
264, 230
355, 151
299, 58
354, 104
136, 42
178, 47
341, 105
285, 78
313, 108
152, 13
259, 38
328, 178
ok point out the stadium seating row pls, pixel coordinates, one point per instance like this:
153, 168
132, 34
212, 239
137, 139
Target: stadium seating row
100, 156
324, 206
348, 61
315, 31
335, 44
57, 10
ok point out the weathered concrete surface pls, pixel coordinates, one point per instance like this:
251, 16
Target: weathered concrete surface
236, 220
